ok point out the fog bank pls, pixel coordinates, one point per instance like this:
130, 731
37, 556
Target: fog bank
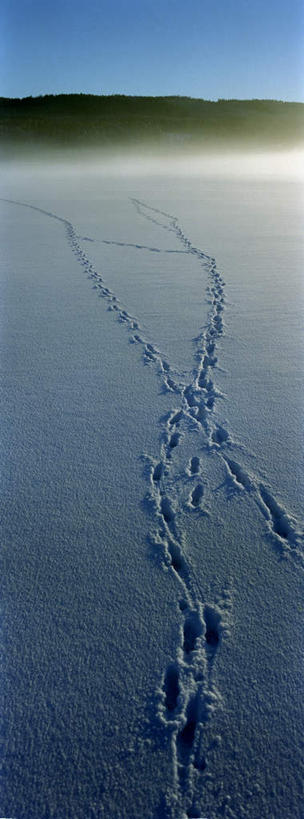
126, 163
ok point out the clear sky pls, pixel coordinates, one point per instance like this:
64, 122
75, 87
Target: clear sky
199, 48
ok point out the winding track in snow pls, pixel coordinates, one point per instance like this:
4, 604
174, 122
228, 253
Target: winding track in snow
187, 696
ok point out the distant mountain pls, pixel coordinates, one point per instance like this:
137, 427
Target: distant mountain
75, 120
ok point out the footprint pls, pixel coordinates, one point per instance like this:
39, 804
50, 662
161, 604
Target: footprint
202, 378
212, 619
190, 397
149, 355
176, 418
152, 349
220, 435
170, 384
196, 495
201, 413
192, 630
194, 466
210, 402
171, 687
174, 440
166, 510
158, 471
185, 738
177, 559
165, 366
195, 813
281, 524
239, 476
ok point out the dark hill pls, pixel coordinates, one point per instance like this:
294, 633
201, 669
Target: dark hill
74, 120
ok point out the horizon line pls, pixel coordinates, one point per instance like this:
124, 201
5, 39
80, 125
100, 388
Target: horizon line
151, 96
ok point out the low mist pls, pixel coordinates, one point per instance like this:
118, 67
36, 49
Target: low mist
91, 166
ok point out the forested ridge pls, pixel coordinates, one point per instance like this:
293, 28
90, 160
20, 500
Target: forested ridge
92, 120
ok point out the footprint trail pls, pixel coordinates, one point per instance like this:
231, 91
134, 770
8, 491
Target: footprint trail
188, 697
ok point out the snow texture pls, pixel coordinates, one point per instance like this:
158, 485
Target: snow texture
153, 546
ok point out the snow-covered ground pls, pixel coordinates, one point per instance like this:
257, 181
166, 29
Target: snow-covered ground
152, 477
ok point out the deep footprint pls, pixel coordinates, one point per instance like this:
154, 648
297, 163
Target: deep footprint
178, 562
185, 738
176, 418
194, 465
166, 510
171, 687
158, 471
280, 522
212, 619
192, 630
239, 474
173, 442
196, 495
220, 435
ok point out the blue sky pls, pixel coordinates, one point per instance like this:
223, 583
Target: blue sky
200, 48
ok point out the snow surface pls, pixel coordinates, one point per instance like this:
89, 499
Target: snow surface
152, 425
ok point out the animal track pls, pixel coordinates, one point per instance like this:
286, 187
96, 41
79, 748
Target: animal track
194, 467
219, 435
212, 619
281, 523
238, 474
192, 630
158, 471
174, 440
171, 687
149, 354
166, 510
186, 737
188, 694
177, 560
165, 366
131, 244
176, 418
197, 494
